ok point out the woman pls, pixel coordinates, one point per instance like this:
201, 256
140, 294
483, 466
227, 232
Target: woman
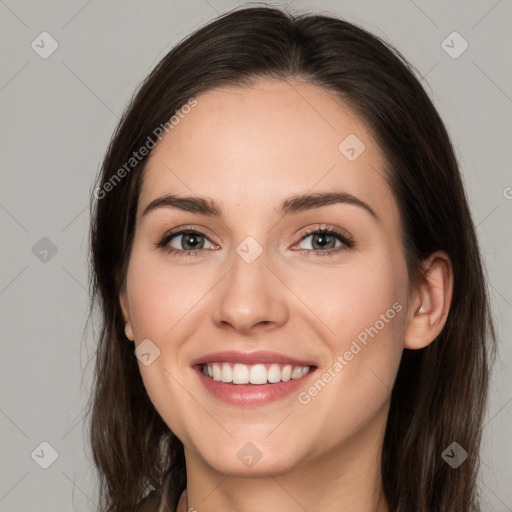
325, 341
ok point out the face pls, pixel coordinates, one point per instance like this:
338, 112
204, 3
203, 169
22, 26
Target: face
281, 286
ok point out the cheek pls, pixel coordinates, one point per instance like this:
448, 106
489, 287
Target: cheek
359, 314
349, 299
161, 295
161, 307
358, 311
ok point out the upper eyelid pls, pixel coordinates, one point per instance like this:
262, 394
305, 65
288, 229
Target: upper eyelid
341, 234
187, 229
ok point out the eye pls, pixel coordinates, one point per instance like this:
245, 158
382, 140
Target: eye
324, 241
185, 242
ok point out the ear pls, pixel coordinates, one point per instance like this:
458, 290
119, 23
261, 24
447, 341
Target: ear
431, 303
123, 300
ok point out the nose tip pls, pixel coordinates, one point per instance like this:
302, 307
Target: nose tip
246, 325
250, 298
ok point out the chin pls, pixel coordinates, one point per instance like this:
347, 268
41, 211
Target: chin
242, 466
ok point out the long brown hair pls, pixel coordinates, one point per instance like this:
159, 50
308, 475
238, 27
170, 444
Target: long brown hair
440, 392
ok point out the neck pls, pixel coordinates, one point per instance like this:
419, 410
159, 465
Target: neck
346, 478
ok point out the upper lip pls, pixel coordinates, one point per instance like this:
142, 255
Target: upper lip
263, 357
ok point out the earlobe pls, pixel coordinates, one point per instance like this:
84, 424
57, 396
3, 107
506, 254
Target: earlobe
431, 304
123, 301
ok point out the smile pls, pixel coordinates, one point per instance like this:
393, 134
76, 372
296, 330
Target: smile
258, 374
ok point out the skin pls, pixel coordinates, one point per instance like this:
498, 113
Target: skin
249, 148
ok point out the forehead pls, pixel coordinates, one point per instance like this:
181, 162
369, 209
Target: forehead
253, 145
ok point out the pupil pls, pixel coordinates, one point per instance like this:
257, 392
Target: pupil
323, 239
193, 245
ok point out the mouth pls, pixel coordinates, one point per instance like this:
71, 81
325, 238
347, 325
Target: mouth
257, 374
252, 379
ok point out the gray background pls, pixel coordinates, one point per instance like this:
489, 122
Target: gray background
57, 117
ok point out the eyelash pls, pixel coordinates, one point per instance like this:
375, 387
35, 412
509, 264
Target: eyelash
342, 236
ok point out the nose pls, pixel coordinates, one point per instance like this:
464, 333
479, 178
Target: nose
251, 298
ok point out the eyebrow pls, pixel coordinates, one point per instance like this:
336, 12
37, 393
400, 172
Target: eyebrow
293, 204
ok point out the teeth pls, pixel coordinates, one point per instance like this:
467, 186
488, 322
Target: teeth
227, 373
216, 372
297, 372
256, 374
240, 374
274, 373
286, 373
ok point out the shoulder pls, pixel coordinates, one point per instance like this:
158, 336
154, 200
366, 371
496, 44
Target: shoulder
149, 503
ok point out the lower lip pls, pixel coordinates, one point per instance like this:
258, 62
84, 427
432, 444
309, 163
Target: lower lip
251, 394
